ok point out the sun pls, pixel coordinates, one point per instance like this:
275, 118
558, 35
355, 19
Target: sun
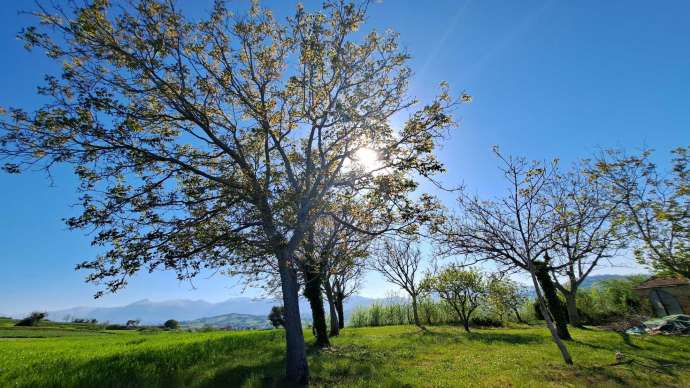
367, 159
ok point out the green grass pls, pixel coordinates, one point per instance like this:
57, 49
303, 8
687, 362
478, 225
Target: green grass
384, 356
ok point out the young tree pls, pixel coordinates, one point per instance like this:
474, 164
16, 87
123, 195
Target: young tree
656, 206
345, 281
591, 231
132, 323
277, 316
463, 290
212, 143
506, 296
513, 231
398, 262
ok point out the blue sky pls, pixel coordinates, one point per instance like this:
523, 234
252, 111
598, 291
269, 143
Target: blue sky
549, 79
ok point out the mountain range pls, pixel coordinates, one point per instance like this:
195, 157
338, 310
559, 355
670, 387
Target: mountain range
150, 312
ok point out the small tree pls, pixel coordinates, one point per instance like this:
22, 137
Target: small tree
132, 323
33, 319
398, 262
463, 290
277, 316
506, 296
171, 324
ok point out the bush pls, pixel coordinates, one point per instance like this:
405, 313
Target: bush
277, 316
610, 301
116, 327
171, 324
33, 319
486, 322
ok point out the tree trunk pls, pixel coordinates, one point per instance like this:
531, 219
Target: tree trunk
547, 317
297, 369
415, 314
335, 326
312, 291
554, 304
339, 306
466, 324
517, 315
571, 305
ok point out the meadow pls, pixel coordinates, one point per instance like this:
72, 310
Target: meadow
73, 355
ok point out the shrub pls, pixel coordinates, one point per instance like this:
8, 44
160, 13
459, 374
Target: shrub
116, 327
171, 324
486, 321
277, 316
33, 319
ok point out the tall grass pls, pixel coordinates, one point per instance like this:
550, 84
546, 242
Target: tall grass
431, 312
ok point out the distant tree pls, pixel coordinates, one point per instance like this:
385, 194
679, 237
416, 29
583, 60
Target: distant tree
171, 324
656, 205
207, 143
591, 231
132, 323
513, 231
398, 262
506, 296
33, 319
277, 316
463, 290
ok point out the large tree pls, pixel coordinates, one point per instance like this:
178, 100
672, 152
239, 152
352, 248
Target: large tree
212, 143
656, 205
515, 231
590, 231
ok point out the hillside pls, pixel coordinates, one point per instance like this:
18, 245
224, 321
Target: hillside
229, 321
383, 356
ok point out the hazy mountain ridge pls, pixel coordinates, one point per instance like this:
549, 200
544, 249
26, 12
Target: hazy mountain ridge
150, 312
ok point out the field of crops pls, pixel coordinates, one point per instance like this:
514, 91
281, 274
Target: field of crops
81, 356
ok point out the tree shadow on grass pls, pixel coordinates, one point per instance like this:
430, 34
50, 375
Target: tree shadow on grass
485, 337
347, 363
231, 360
646, 363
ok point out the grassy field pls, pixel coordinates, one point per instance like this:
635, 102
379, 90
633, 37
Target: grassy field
74, 356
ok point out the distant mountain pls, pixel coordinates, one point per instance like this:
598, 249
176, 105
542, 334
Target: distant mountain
589, 282
234, 321
149, 312
594, 279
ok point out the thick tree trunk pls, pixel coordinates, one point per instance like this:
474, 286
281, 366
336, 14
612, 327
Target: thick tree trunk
339, 306
297, 369
547, 317
335, 326
571, 305
554, 304
466, 324
312, 291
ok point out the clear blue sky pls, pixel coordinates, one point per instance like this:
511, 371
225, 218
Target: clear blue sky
549, 79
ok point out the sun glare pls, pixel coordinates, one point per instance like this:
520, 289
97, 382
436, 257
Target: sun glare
367, 159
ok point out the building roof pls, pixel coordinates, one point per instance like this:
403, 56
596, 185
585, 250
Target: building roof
663, 281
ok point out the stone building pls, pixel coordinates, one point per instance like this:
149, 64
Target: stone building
667, 295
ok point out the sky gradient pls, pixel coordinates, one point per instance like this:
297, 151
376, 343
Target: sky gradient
549, 79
